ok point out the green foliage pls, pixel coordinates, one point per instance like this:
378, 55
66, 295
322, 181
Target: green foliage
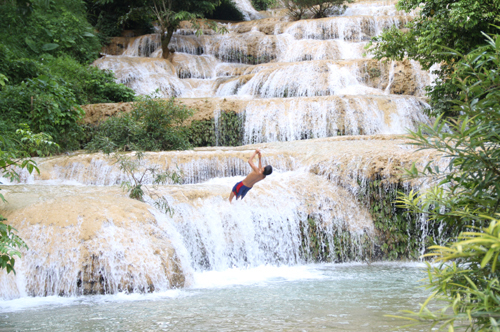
469, 185
318, 8
264, 4
47, 105
398, 233
90, 84
466, 280
138, 172
229, 131
10, 244
3, 80
52, 27
17, 149
466, 192
43, 56
152, 125
455, 24
32, 144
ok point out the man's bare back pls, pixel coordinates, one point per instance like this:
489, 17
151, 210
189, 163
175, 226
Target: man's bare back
257, 174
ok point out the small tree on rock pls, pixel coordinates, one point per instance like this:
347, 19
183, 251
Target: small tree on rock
318, 8
170, 13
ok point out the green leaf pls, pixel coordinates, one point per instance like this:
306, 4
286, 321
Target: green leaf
31, 44
50, 47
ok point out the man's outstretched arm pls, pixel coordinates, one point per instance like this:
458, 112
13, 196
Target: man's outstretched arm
250, 161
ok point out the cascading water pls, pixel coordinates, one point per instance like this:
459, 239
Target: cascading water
301, 91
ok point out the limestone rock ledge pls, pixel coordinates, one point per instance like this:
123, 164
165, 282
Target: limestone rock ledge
87, 240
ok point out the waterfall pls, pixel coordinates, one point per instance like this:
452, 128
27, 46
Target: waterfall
325, 117
246, 8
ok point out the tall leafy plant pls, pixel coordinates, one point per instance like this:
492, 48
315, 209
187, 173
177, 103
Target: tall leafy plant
467, 194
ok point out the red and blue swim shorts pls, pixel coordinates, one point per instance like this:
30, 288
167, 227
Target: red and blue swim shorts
240, 190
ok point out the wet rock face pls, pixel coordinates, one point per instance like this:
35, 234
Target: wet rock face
117, 46
320, 204
88, 241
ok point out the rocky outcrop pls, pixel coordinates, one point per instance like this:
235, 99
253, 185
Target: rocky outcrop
85, 240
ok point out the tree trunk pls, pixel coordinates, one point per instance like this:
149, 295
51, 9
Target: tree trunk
165, 40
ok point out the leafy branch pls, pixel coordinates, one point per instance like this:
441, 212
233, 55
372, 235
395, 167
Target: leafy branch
138, 171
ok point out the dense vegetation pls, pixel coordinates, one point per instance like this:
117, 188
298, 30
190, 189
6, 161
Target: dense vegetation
45, 51
466, 195
315, 8
460, 37
439, 25
152, 125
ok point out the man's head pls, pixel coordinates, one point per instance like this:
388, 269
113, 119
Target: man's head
268, 170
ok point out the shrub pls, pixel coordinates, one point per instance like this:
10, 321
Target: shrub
152, 125
264, 4
318, 8
51, 27
467, 280
90, 84
467, 193
138, 171
10, 244
46, 105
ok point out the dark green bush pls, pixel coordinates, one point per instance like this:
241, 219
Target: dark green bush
152, 125
318, 8
264, 4
90, 84
44, 71
47, 105
50, 27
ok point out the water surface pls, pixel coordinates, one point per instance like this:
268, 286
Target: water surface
319, 297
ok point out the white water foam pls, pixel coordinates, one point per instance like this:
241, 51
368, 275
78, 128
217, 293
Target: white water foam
257, 275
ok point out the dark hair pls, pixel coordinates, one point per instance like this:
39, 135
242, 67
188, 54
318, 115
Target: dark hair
268, 170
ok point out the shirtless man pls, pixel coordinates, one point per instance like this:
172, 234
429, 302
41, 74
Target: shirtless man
258, 173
